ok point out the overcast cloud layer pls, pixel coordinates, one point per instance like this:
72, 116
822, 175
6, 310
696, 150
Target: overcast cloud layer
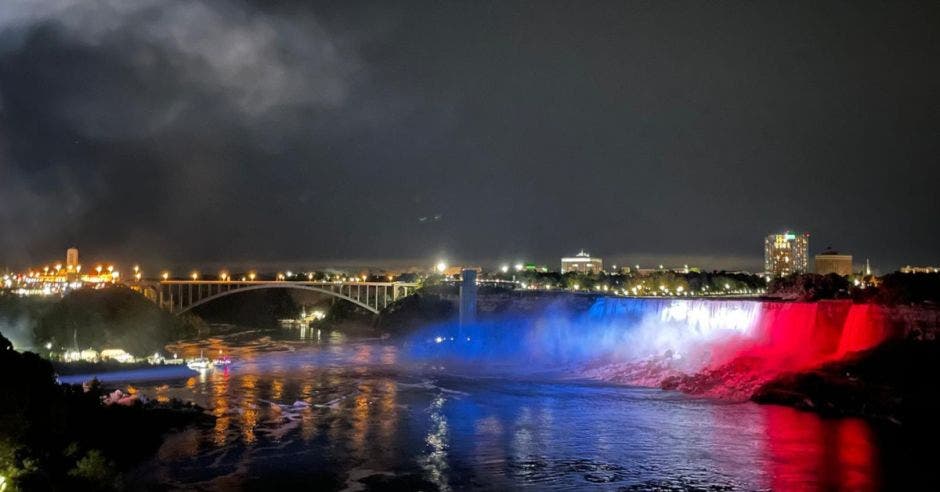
188, 132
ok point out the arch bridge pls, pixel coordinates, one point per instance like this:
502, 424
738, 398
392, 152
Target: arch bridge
180, 296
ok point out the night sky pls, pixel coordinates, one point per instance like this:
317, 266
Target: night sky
258, 133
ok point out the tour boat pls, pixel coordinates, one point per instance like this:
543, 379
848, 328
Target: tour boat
200, 363
222, 360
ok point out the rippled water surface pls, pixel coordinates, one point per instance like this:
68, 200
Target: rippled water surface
339, 414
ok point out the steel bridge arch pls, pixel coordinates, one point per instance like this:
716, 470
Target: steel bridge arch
279, 285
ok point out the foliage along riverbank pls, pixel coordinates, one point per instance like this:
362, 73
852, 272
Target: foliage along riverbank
58, 437
112, 317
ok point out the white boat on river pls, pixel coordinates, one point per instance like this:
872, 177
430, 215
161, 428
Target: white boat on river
200, 363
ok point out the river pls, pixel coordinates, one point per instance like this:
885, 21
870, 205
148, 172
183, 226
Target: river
302, 409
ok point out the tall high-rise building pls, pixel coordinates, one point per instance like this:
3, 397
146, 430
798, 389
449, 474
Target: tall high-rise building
786, 253
71, 258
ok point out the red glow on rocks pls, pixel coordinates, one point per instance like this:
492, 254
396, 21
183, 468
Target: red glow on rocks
785, 337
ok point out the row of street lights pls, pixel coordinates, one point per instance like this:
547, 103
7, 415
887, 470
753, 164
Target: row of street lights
226, 277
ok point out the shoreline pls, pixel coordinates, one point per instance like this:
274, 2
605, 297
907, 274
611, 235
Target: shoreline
72, 368
149, 373
893, 382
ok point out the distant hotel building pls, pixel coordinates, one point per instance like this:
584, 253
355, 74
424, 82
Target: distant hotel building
920, 269
456, 270
582, 263
71, 258
830, 261
786, 253
72, 267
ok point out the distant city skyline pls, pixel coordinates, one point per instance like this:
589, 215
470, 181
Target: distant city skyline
618, 262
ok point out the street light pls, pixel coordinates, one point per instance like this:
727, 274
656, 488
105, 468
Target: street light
195, 275
504, 268
251, 275
441, 266
166, 275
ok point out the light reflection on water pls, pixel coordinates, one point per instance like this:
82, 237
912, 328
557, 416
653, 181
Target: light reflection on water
339, 413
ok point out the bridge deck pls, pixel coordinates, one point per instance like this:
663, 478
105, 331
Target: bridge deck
180, 295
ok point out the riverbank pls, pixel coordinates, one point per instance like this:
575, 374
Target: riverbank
76, 437
836, 358
895, 381
82, 367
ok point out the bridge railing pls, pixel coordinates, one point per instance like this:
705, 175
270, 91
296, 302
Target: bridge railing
177, 296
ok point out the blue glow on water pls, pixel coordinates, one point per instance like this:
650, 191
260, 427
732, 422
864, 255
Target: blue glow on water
148, 374
357, 415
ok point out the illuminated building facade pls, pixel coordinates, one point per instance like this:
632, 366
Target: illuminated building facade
920, 269
786, 253
59, 278
457, 270
582, 263
72, 266
830, 261
71, 258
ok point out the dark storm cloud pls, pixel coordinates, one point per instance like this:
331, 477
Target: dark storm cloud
177, 126
193, 131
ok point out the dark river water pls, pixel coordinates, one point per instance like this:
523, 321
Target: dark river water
327, 413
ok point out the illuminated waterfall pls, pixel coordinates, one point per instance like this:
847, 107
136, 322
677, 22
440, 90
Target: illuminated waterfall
691, 334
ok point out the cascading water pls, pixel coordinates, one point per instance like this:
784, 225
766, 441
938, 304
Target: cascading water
865, 327
643, 341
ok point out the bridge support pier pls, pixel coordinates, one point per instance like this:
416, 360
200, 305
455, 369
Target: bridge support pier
468, 297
